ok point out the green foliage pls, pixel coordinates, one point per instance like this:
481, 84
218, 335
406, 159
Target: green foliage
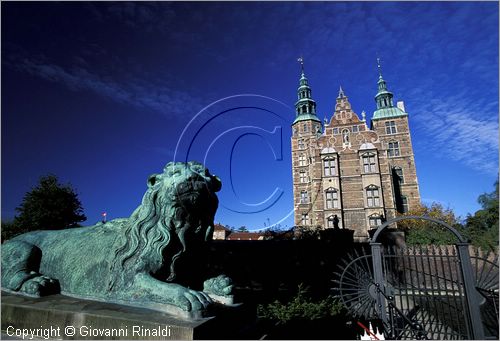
10, 229
49, 205
482, 227
301, 307
242, 229
426, 232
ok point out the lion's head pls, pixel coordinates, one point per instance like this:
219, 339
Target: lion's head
176, 213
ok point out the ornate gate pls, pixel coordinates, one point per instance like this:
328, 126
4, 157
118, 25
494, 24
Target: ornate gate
423, 292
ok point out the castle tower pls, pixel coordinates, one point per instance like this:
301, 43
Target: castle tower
391, 124
306, 128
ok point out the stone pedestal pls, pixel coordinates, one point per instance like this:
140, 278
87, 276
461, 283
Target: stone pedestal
63, 317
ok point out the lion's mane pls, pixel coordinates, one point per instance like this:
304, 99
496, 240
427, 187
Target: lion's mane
153, 236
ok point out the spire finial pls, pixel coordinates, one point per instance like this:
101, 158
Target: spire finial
301, 61
379, 67
341, 92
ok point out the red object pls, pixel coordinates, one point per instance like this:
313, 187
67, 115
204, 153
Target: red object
367, 330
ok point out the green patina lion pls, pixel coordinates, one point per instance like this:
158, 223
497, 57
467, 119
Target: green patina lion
130, 261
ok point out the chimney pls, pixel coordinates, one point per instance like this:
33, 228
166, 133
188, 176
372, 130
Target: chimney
401, 105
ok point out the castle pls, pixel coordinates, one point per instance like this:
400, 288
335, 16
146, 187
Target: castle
349, 174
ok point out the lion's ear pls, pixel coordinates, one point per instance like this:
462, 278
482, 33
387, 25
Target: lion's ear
152, 180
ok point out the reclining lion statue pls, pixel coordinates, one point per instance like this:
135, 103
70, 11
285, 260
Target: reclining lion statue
130, 261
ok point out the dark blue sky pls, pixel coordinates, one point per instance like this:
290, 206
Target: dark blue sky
102, 93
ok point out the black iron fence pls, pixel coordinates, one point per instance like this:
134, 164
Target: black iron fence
423, 292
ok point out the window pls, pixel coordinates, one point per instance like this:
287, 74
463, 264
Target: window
398, 175
329, 222
404, 204
390, 127
329, 167
332, 198
304, 197
335, 131
393, 149
375, 221
303, 177
302, 160
306, 128
369, 163
355, 129
372, 196
305, 219
301, 144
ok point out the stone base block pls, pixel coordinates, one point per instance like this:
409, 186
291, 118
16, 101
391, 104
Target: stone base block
63, 317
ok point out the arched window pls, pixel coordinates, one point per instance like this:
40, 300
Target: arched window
372, 196
331, 198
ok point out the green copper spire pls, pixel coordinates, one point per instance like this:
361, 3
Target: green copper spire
383, 98
305, 107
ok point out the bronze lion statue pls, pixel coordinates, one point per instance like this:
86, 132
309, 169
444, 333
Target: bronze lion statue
129, 261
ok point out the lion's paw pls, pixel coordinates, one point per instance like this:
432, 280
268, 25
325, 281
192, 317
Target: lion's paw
220, 285
192, 300
41, 286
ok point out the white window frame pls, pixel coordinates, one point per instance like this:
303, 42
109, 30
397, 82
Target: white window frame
302, 160
331, 198
393, 149
329, 166
369, 163
372, 196
305, 219
304, 197
390, 127
303, 177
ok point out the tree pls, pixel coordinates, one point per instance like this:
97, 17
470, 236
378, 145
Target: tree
482, 227
242, 229
425, 232
49, 205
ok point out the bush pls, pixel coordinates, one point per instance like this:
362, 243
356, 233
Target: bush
301, 307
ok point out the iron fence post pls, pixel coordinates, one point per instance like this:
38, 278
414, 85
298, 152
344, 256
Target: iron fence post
471, 294
379, 279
